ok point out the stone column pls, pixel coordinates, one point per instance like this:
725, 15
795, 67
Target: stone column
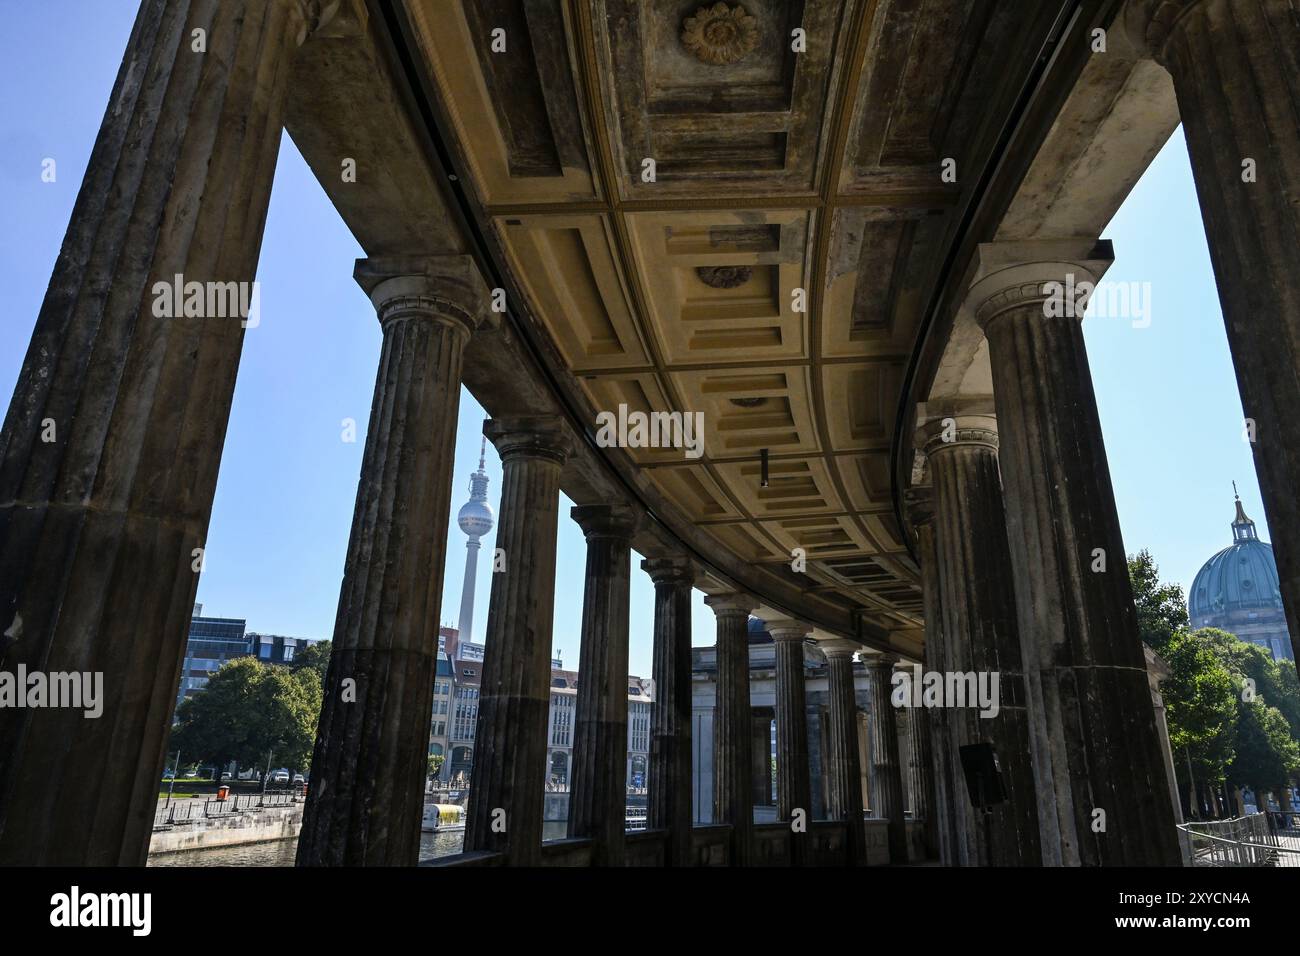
941, 835
817, 774
506, 789
112, 442
367, 795
980, 637
922, 773
884, 753
844, 797
598, 797
1092, 731
793, 781
732, 753
761, 752
1236, 71
670, 712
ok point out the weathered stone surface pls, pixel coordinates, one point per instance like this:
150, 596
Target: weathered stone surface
732, 750
884, 753
793, 783
367, 795
505, 807
670, 713
844, 766
941, 834
979, 625
598, 797
101, 528
1092, 732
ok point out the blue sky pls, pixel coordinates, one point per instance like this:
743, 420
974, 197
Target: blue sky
1168, 398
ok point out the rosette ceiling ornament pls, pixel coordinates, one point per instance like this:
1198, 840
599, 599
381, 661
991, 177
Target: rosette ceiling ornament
720, 34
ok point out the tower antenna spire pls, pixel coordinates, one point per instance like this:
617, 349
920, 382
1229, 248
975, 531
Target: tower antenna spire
482, 450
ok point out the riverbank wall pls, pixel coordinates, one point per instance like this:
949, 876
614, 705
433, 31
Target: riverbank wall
251, 826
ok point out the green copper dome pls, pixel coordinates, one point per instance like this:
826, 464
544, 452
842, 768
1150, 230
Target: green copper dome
1242, 576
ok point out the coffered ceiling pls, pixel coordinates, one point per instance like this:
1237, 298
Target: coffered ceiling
704, 219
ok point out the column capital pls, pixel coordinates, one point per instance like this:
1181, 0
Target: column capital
529, 436
1148, 24
955, 431
676, 568
447, 287
785, 629
884, 662
732, 603
838, 648
1056, 275
606, 521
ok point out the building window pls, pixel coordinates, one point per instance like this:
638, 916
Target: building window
288, 652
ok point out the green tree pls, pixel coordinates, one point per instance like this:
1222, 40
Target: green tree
1200, 698
1266, 754
435, 764
315, 656
250, 710
1161, 608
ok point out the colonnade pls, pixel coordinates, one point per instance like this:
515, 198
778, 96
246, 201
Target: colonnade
102, 529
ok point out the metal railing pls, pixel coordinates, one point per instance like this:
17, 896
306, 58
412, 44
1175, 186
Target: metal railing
188, 811
1251, 840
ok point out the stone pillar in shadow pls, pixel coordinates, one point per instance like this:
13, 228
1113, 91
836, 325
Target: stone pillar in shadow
598, 798
505, 803
732, 750
884, 753
1098, 771
980, 636
793, 779
111, 446
670, 713
843, 760
366, 799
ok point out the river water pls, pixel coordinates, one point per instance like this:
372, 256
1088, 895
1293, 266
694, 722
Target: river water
281, 852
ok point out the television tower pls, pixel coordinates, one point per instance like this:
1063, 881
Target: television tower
475, 519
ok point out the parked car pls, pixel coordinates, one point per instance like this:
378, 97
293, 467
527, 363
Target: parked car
280, 776
299, 780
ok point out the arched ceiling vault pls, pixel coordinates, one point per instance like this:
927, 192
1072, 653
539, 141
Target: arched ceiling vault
776, 173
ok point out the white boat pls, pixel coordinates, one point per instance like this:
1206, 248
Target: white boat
439, 817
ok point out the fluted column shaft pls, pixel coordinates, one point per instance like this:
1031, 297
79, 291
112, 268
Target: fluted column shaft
506, 792
598, 797
922, 775
844, 799
884, 753
670, 712
981, 638
370, 762
732, 750
940, 823
112, 442
793, 780
1236, 71
1092, 731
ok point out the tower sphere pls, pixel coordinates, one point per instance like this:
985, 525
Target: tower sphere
476, 518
